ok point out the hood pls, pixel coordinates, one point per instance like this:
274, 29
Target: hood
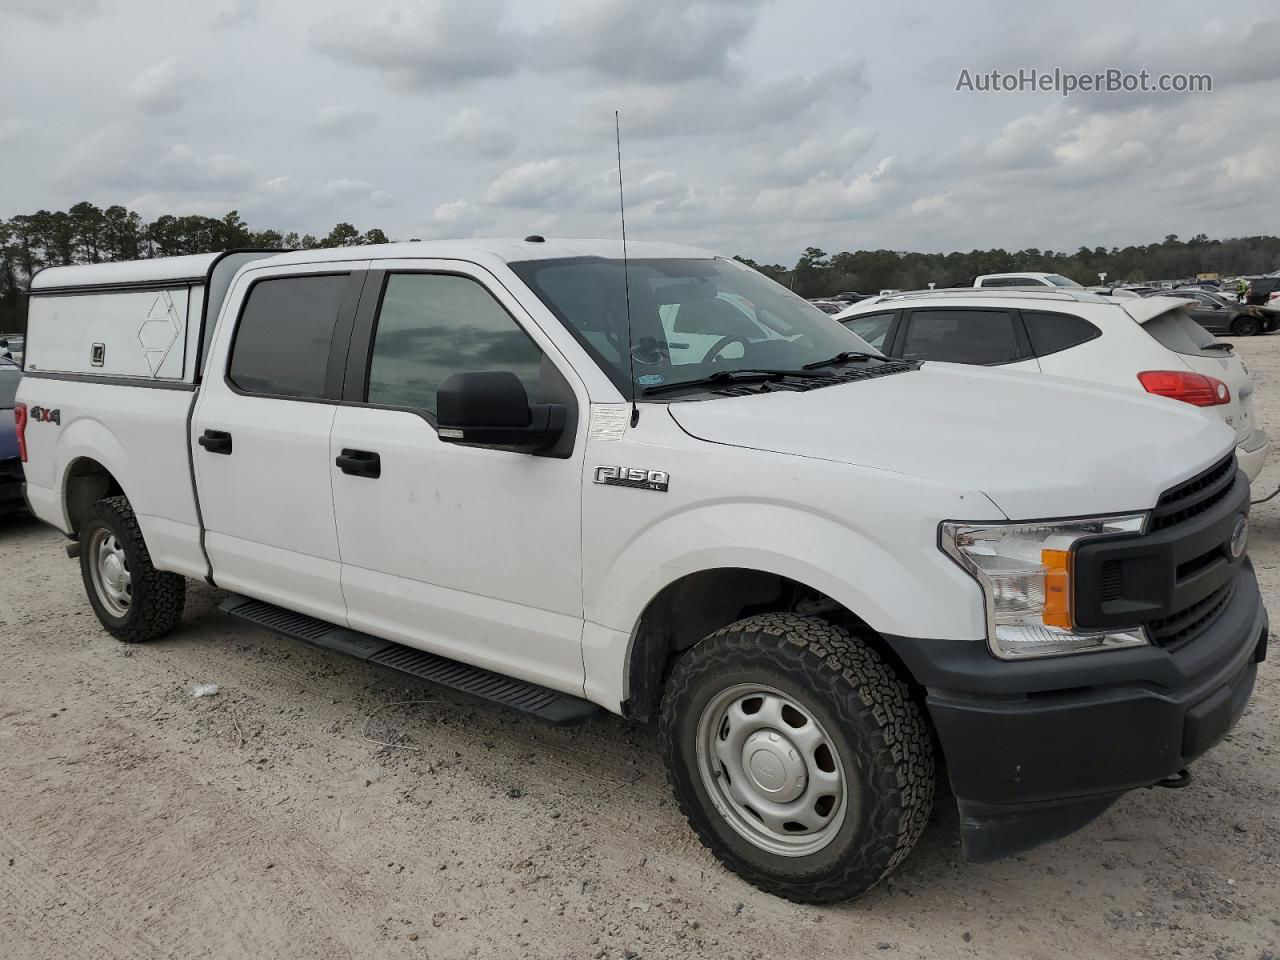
1037, 446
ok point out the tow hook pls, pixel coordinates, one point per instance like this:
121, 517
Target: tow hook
1175, 782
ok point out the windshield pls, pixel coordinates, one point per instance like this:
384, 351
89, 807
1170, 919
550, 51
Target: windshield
1060, 281
690, 319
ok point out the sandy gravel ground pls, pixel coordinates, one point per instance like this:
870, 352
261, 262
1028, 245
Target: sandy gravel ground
138, 821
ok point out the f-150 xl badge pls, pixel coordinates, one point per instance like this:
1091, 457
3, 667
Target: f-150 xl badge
633, 477
45, 415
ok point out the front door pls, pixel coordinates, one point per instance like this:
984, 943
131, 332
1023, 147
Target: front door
471, 553
260, 438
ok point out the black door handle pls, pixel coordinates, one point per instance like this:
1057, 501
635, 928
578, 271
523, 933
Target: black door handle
360, 463
216, 441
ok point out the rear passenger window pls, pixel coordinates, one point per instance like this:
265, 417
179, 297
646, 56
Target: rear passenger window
961, 336
1051, 332
281, 347
871, 327
431, 326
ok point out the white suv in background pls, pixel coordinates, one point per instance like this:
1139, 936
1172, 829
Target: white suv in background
1026, 280
1147, 344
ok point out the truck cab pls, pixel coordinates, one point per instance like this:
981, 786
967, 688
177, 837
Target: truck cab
575, 479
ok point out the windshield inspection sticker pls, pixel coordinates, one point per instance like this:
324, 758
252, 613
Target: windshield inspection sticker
649, 379
608, 421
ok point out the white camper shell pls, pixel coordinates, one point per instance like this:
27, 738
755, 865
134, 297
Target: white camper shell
140, 320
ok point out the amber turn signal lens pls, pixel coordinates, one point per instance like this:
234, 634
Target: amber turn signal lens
1057, 588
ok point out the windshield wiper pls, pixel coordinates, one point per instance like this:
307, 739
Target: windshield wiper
844, 356
722, 377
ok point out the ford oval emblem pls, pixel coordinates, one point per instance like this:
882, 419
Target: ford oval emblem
1239, 538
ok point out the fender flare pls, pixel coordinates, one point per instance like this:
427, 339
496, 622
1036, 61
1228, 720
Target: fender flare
869, 578
89, 439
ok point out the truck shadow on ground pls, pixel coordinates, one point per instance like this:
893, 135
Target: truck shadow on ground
15, 522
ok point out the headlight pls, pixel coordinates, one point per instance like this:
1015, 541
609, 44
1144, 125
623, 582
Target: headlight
1025, 570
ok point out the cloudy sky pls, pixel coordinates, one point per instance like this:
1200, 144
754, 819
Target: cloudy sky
750, 127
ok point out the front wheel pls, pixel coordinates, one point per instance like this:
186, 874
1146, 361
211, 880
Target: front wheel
132, 599
798, 756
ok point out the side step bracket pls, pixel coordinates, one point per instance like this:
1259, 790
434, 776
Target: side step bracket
551, 706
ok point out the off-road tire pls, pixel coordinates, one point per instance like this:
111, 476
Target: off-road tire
1246, 326
158, 597
880, 731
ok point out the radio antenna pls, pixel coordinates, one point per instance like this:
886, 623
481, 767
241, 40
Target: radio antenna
626, 279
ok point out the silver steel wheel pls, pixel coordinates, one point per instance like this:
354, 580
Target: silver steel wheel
772, 771
112, 581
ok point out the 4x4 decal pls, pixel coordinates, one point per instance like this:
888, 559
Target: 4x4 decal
44, 415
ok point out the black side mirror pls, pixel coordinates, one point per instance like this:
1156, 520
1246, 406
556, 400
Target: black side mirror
492, 409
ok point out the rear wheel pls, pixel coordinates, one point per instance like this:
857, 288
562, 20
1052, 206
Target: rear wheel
132, 599
1246, 326
798, 756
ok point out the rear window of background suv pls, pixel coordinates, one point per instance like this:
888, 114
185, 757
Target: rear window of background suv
1050, 332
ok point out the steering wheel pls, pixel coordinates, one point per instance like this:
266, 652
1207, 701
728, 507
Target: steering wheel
719, 345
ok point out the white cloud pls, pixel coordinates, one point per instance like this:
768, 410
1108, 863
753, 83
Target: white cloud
531, 184
930, 204
159, 88
51, 11
12, 129
427, 44
349, 189
343, 121
236, 13
656, 42
472, 132
117, 157
1254, 165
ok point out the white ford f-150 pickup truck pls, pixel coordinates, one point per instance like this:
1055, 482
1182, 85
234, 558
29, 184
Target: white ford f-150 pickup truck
666, 487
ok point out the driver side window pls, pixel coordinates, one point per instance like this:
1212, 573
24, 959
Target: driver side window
431, 326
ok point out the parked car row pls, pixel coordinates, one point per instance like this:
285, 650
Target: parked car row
665, 487
1221, 316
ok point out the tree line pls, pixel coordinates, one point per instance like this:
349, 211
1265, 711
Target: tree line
818, 274
86, 233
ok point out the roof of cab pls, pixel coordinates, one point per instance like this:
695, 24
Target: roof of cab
197, 266
492, 251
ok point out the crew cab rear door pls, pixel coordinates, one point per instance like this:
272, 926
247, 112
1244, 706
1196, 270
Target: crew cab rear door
260, 434
468, 552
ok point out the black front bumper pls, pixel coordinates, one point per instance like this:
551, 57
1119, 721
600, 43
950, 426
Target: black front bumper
1036, 749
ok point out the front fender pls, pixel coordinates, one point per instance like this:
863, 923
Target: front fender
906, 587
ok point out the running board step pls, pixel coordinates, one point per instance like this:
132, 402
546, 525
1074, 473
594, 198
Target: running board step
551, 706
